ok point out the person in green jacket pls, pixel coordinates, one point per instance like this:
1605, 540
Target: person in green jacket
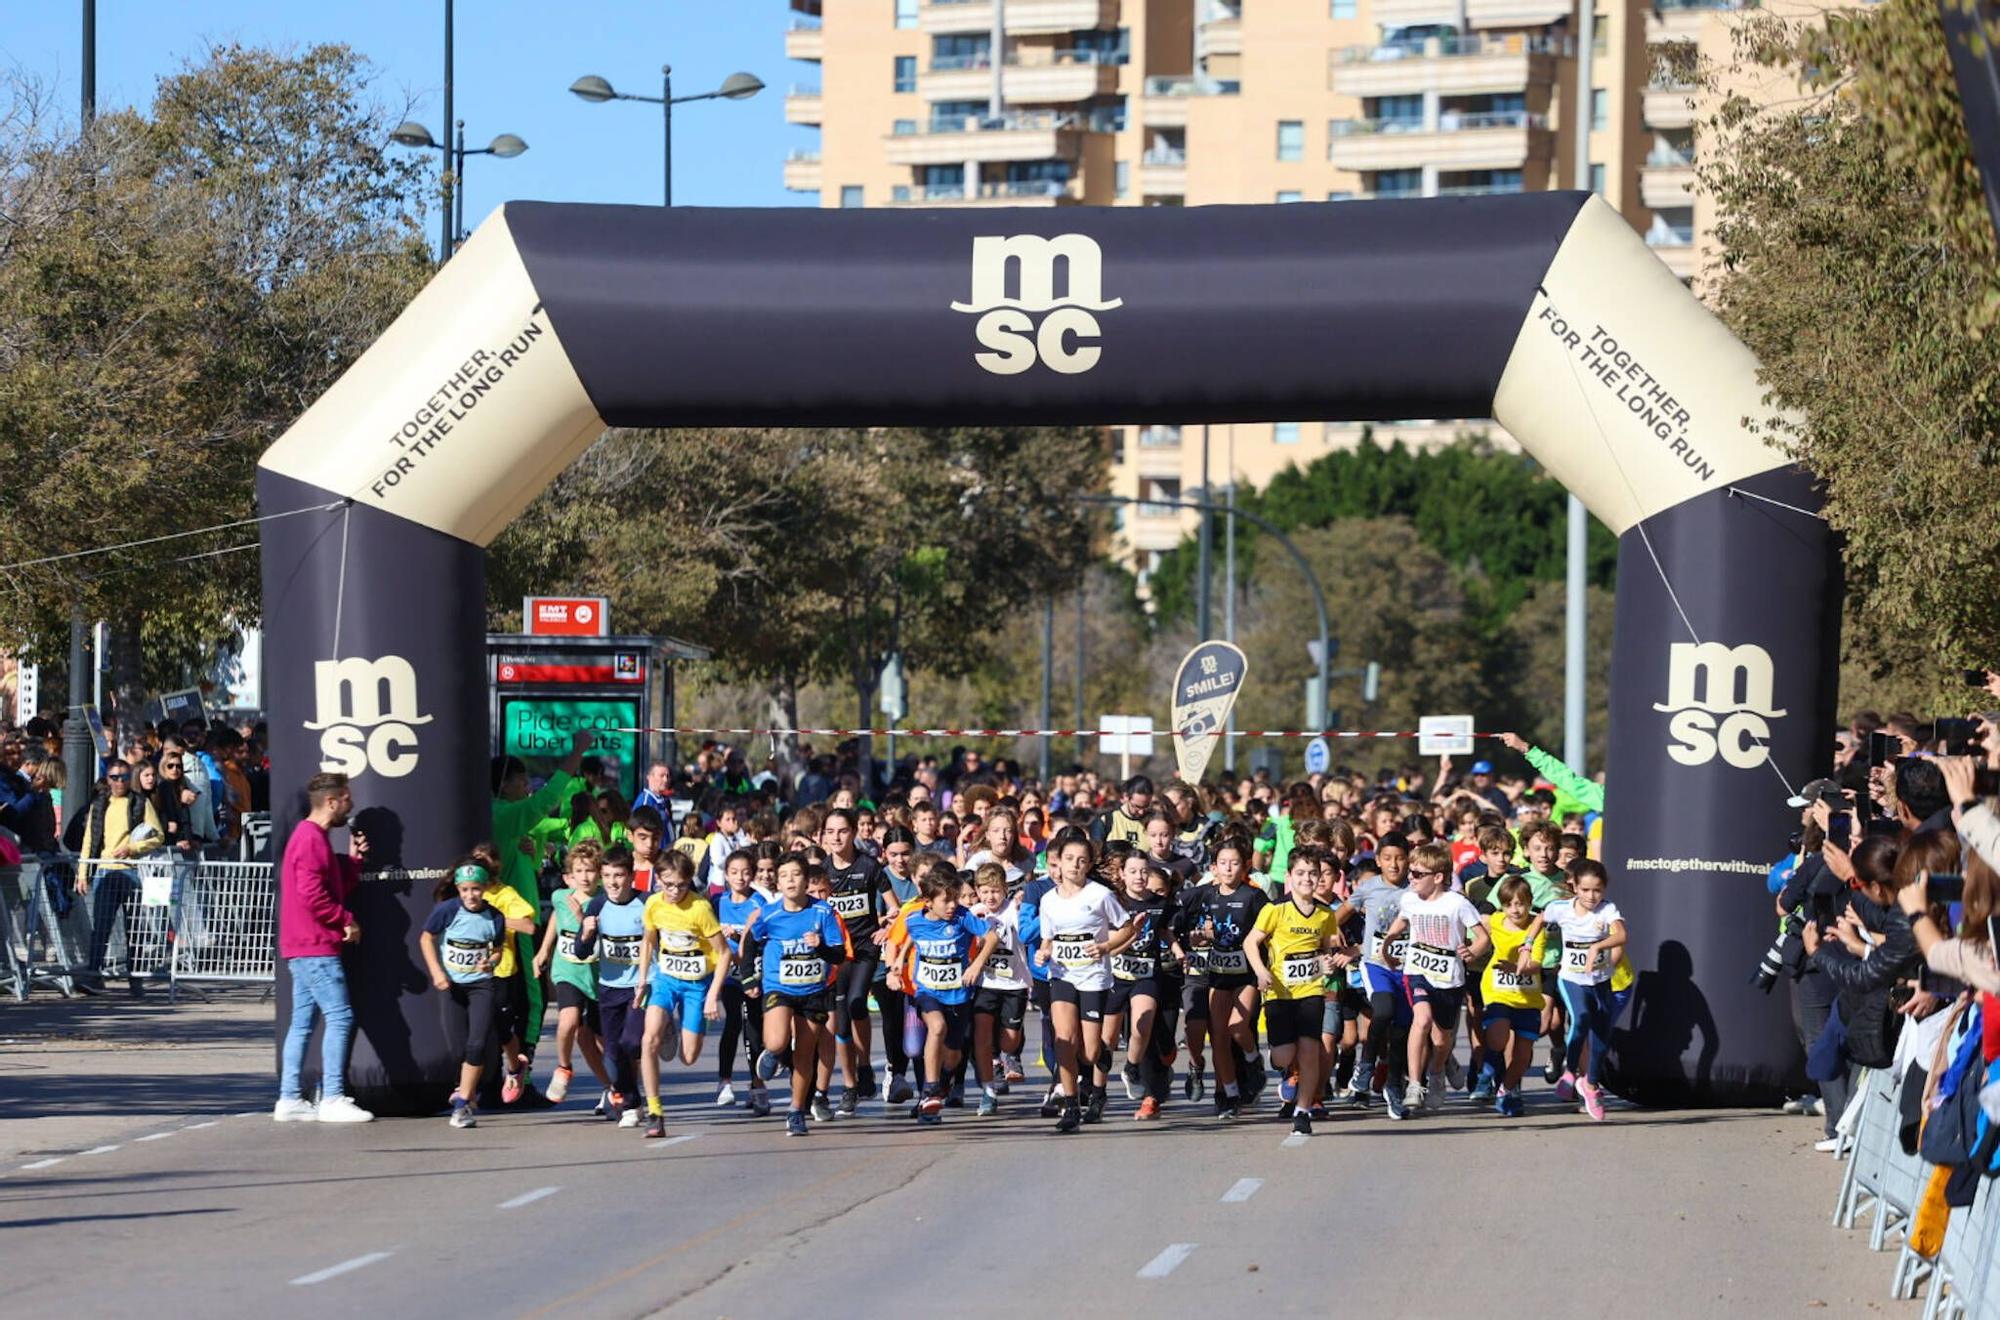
1574, 793
516, 814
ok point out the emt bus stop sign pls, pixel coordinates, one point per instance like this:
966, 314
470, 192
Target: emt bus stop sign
566, 616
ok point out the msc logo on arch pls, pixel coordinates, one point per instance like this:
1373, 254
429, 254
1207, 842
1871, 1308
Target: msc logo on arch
1034, 325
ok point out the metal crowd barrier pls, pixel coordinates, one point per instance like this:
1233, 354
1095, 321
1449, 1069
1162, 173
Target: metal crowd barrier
1961, 1281
169, 920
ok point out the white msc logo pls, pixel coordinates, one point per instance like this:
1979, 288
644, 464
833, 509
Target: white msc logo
365, 712
1063, 338
1721, 698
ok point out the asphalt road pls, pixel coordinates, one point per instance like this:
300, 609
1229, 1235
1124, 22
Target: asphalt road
224, 1214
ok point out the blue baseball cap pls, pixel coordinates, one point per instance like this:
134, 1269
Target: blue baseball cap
1481, 768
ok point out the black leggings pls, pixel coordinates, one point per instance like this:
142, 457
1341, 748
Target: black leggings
1388, 1039
467, 1012
1155, 1066
736, 1011
891, 1001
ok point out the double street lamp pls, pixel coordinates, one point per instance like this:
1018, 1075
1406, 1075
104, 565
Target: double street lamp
410, 133
736, 87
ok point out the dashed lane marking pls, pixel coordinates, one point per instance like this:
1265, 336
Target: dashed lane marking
1244, 1189
529, 1198
345, 1267
1160, 1266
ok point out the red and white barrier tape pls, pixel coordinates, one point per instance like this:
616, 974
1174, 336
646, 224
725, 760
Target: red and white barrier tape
1012, 733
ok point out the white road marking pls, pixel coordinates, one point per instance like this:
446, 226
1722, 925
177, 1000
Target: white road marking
43, 1164
1244, 1189
98, 1150
1294, 1141
1160, 1266
192, 1127
154, 1136
528, 1198
333, 1271
675, 1141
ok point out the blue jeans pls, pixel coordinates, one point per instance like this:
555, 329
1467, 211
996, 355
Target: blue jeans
318, 984
111, 890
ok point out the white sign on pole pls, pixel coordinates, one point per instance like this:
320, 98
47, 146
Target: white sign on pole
1444, 735
1125, 735
1319, 756
27, 692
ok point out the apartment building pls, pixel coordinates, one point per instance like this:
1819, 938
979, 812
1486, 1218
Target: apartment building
1192, 102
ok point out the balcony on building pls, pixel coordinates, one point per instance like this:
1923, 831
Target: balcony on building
1450, 65
1671, 237
1681, 20
804, 39
1220, 31
1668, 103
1479, 183
1035, 75
1454, 140
1159, 437
1017, 135
1667, 178
1163, 164
990, 192
1165, 97
1023, 17
803, 106
802, 172
1516, 13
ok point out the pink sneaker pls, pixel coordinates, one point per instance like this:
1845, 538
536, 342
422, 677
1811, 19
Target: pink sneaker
1593, 1100
559, 1085
1566, 1088
510, 1089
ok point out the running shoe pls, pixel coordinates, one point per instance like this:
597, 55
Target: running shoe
656, 1125
1830, 1146
1434, 1095
1392, 1104
1256, 1081
1288, 1089
1000, 1084
1129, 1074
1149, 1110
628, 1118
1052, 1103
1225, 1107
1352, 1098
795, 1123
1509, 1105
464, 1117
1454, 1073
850, 1103
1818, 1109
1566, 1087
1287, 1110
603, 1105
725, 1096
1072, 1117
1093, 1109
295, 1110
989, 1104
767, 1065
1482, 1090
822, 1112
900, 1089
1319, 1113
1593, 1099
1302, 1126
1552, 1074
1413, 1097
760, 1102
510, 1088
1798, 1104
559, 1085
931, 1108
1014, 1070
341, 1109
1196, 1085
870, 1089
956, 1099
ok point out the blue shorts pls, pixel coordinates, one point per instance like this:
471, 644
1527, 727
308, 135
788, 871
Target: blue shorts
1526, 1022
1377, 979
686, 1000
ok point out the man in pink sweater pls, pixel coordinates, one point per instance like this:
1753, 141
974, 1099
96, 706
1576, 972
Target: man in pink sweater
313, 922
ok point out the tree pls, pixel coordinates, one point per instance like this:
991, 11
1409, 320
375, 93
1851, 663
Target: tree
1859, 264
176, 286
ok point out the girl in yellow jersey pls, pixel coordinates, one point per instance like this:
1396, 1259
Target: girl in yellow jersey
1287, 949
1512, 990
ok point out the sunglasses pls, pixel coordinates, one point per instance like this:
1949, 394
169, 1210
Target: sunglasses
117, 779
1425, 874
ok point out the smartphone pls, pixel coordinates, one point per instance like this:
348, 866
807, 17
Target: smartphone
1975, 678
1945, 887
1959, 736
1883, 748
1840, 831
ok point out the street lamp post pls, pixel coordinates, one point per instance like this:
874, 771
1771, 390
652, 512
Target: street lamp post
736, 87
410, 133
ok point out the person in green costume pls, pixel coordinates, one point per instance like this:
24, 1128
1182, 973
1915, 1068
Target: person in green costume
516, 814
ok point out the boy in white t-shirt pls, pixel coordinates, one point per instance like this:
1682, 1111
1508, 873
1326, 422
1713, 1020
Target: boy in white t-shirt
1592, 933
1444, 934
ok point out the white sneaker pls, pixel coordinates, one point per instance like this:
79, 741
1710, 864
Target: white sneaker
1827, 1147
1818, 1109
1413, 1097
294, 1111
726, 1095
630, 1118
1795, 1105
342, 1109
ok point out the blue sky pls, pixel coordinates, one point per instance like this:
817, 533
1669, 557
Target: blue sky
515, 62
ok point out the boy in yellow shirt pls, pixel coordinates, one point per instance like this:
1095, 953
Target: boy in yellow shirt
1286, 949
683, 945
1512, 991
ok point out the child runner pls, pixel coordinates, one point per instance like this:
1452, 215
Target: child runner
1376, 900
1135, 970
516, 1016
742, 1018
861, 898
577, 1021
898, 856
644, 829
1437, 922
1593, 936
472, 933
614, 927
1220, 917
1286, 950
940, 938
1346, 1005
1082, 925
1512, 989
801, 943
684, 946
1001, 1004
1539, 841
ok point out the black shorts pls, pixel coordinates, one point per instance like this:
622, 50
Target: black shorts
852, 984
1038, 995
957, 1020
570, 996
1194, 999
1010, 1006
815, 1007
1446, 1002
1089, 1003
1353, 1002
1288, 1021
1122, 993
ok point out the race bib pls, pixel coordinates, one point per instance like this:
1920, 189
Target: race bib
1131, 966
1581, 960
940, 974
466, 956
1506, 978
1227, 961
1385, 952
1433, 964
806, 970
1075, 950
683, 966
850, 906
566, 946
1299, 968
1196, 962
621, 948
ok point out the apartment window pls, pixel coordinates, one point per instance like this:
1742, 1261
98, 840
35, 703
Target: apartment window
950, 116
906, 73
1291, 139
942, 180
1600, 109
1597, 178
961, 50
1290, 195
1284, 433
905, 127
1102, 47
1108, 116
1341, 9
900, 193
1399, 183
1405, 112
1341, 196
1121, 181
850, 195
906, 13
1160, 494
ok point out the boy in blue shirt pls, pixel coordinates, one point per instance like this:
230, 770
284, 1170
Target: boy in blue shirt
470, 932
614, 928
801, 941
938, 941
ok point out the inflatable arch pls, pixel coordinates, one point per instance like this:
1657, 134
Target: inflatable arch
1544, 311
